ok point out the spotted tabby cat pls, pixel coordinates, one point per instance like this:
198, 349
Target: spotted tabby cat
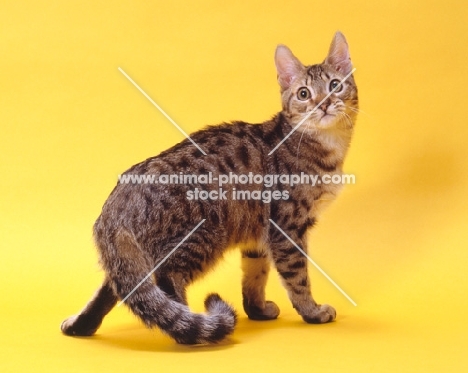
141, 224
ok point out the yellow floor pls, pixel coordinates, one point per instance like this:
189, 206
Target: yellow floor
396, 241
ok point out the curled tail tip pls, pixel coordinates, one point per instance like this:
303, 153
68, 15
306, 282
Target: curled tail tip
212, 298
214, 304
223, 316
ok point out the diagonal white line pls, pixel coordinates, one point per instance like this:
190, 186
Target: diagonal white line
315, 264
161, 262
310, 113
161, 110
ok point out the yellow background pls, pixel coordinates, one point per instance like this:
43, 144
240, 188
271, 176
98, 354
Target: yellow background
396, 241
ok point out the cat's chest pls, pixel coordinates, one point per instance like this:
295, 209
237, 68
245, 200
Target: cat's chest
329, 188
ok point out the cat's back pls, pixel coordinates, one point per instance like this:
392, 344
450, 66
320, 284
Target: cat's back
156, 192
229, 147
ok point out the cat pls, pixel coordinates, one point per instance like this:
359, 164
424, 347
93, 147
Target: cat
141, 223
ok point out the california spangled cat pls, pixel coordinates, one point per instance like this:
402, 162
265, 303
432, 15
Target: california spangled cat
142, 223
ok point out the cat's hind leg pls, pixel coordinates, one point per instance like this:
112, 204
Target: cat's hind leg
255, 266
173, 285
90, 318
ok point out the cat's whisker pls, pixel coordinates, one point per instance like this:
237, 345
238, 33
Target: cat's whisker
299, 145
300, 140
350, 120
359, 111
344, 117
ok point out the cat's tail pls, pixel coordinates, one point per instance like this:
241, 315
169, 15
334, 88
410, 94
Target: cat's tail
155, 308
126, 266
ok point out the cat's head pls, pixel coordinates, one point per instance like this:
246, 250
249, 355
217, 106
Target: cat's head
304, 89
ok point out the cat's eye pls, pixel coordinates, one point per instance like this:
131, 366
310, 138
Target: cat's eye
303, 94
335, 85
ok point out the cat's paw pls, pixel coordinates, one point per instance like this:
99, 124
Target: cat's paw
270, 312
321, 315
78, 326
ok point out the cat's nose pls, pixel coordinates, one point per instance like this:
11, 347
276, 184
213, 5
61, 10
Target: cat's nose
324, 105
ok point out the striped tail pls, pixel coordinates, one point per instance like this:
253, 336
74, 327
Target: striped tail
155, 308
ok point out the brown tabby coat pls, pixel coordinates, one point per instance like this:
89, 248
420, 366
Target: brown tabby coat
141, 223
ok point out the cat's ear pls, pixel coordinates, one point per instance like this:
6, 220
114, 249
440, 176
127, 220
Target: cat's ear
338, 55
288, 66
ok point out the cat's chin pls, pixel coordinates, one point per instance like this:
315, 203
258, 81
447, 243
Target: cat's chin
326, 122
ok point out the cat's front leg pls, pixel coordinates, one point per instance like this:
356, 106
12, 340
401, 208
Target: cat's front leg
255, 266
292, 267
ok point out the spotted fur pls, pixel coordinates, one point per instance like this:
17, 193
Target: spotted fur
141, 223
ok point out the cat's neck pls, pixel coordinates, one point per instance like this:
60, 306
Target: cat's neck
332, 144
336, 141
